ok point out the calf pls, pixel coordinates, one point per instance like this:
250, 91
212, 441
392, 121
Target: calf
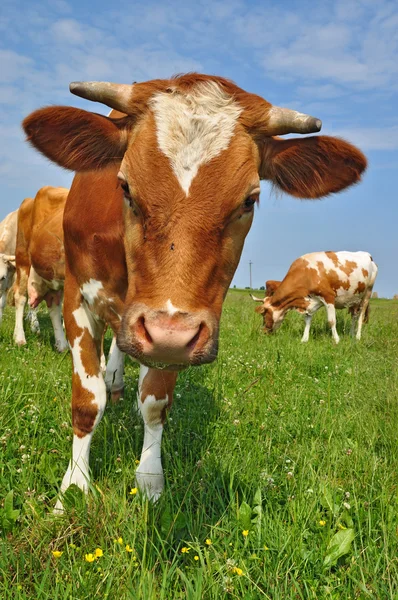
330, 279
154, 227
40, 260
8, 236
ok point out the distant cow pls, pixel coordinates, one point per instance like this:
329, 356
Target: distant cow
8, 236
40, 260
330, 279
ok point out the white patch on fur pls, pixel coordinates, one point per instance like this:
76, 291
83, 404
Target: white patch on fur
194, 127
171, 309
315, 303
19, 334
78, 469
114, 369
149, 474
55, 312
90, 290
93, 383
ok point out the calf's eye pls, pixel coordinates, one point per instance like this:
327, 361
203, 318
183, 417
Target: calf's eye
249, 203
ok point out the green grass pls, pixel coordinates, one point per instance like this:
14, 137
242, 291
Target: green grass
290, 442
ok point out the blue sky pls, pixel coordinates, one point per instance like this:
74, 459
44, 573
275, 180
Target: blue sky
336, 60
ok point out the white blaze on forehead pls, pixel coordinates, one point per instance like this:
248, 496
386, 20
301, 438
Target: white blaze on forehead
194, 127
90, 290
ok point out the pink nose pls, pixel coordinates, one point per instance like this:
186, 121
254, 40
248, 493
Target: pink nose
170, 340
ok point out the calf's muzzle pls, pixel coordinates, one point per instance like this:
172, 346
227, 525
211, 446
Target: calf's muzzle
157, 338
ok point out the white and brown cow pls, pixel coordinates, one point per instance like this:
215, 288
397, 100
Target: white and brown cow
154, 226
8, 237
40, 260
329, 279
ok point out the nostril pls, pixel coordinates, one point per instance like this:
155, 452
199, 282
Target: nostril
192, 343
142, 331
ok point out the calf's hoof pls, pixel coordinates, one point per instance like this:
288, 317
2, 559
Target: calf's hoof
61, 346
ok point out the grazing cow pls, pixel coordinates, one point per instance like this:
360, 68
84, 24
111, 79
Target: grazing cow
8, 236
330, 279
40, 260
155, 224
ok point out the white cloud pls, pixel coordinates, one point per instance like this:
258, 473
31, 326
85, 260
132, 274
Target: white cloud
370, 138
67, 30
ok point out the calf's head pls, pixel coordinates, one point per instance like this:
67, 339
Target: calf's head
191, 152
272, 318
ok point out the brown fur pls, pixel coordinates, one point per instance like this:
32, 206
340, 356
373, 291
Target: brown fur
46, 246
184, 248
271, 286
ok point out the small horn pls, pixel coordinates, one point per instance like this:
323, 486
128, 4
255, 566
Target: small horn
114, 95
284, 120
256, 299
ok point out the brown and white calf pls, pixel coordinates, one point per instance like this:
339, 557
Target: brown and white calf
8, 237
330, 279
40, 260
154, 226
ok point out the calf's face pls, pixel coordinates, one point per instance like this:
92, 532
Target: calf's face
191, 152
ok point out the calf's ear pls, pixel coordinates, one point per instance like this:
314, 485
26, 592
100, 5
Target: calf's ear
76, 139
310, 167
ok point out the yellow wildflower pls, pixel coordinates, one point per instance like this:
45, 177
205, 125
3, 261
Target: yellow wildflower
196, 557
129, 549
245, 532
208, 542
57, 553
90, 557
137, 462
98, 553
185, 550
340, 526
266, 547
133, 491
120, 540
73, 546
322, 523
237, 570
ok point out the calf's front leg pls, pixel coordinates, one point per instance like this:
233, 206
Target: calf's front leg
88, 392
155, 396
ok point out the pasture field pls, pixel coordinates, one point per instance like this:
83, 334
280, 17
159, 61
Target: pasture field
280, 462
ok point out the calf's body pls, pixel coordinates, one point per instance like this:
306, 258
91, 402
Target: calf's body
154, 226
